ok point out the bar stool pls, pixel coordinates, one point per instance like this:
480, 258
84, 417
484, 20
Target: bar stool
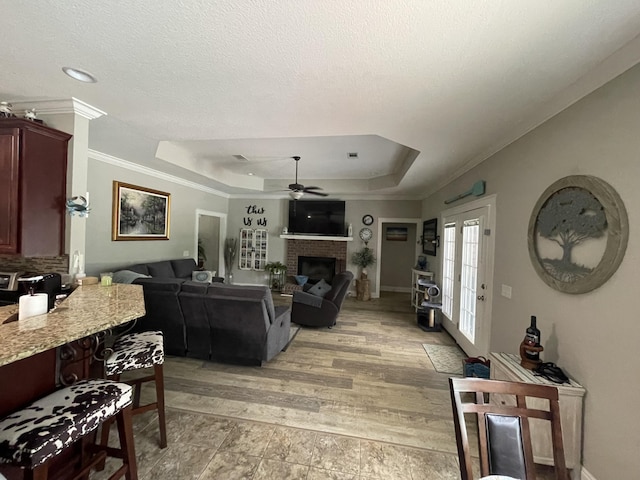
136, 351
32, 436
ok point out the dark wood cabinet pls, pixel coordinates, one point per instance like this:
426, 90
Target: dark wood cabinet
33, 177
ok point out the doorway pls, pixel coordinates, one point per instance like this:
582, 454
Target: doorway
396, 257
467, 274
210, 228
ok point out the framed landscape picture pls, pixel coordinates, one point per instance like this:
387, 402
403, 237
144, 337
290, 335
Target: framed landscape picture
139, 213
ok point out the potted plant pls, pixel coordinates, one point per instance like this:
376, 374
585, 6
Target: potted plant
363, 258
276, 274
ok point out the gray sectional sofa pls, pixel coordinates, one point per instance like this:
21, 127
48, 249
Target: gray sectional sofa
228, 323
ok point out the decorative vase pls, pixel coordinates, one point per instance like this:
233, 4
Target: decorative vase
350, 231
363, 274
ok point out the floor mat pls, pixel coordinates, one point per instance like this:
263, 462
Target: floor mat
445, 358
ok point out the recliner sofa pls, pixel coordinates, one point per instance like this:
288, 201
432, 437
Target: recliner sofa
309, 310
229, 323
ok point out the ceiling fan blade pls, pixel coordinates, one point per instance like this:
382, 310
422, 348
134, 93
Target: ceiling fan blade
312, 192
313, 188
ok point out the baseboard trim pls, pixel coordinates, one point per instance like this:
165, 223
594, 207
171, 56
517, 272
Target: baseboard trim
395, 289
585, 475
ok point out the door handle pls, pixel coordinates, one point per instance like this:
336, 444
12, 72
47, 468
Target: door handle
481, 298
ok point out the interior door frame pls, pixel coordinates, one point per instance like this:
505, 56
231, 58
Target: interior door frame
483, 342
223, 235
381, 221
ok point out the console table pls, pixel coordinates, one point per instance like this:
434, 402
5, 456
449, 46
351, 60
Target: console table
506, 366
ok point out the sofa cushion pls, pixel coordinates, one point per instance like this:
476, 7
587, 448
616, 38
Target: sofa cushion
139, 268
183, 267
320, 289
127, 276
171, 285
246, 291
194, 287
161, 269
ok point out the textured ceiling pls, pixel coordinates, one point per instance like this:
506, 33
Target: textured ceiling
422, 90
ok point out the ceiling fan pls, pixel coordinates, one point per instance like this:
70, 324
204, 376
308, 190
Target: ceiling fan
297, 190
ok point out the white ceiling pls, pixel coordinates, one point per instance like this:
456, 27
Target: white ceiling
421, 90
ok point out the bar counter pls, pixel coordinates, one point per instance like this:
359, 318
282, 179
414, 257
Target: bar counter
88, 310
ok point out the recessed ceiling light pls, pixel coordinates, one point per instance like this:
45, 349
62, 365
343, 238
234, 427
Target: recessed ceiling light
79, 75
250, 174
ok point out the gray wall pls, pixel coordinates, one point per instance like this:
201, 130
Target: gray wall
397, 259
593, 336
104, 254
275, 214
356, 209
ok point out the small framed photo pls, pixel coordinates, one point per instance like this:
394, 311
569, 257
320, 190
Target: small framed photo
430, 236
139, 213
397, 234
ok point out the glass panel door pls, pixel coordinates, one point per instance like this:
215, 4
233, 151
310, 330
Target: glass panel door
463, 280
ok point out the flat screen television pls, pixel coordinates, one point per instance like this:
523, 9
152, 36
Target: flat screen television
317, 217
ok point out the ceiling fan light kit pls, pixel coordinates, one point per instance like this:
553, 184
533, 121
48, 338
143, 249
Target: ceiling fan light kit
296, 195
297, 190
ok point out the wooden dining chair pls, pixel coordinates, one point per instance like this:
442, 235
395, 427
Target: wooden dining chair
504, 440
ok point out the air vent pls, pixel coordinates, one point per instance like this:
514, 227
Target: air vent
352, 155
241, 157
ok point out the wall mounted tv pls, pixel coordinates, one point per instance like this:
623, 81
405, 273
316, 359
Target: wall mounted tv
316, 217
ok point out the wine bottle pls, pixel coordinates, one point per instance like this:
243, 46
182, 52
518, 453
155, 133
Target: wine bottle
532, 338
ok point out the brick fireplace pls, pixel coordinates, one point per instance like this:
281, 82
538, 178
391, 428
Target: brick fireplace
315, 248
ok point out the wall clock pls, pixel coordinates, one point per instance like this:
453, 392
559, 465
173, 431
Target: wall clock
365, 234
367, 220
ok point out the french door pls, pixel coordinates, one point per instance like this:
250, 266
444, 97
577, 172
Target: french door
466, 272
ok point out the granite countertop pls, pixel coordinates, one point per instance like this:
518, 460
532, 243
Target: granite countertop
88, 310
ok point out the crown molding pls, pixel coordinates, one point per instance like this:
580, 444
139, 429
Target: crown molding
61, 106
119, 162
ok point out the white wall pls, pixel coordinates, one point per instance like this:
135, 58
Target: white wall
593, 336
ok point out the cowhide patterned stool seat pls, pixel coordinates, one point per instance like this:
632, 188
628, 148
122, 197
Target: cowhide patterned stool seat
136, 351
32, 436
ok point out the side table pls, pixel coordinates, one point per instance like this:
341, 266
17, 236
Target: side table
363, 290
506, 366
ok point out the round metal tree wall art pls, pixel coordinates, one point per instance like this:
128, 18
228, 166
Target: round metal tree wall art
578, 234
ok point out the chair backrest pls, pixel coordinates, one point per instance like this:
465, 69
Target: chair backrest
339, 288
504, 439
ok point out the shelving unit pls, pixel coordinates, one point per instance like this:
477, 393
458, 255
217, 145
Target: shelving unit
418, 287
253, 248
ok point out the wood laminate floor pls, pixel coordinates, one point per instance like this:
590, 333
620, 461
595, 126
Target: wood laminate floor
360, 401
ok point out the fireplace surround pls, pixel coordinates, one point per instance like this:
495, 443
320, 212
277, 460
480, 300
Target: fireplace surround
315, 248
317, 268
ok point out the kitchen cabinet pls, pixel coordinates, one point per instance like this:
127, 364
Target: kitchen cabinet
33, 177
253, 248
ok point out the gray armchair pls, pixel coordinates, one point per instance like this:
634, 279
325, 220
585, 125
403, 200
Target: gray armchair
310, 310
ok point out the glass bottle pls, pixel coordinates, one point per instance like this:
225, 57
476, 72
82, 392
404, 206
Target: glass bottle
532, 338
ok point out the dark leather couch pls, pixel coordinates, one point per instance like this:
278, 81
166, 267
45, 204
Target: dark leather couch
230, 323
308, 310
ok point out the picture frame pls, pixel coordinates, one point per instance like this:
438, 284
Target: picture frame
139, 213
397, 234
430, 237
578, 234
